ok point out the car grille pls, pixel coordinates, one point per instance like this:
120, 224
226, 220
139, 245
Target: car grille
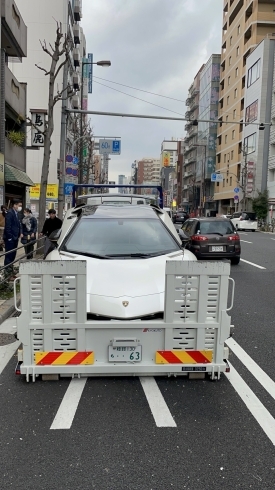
102, 318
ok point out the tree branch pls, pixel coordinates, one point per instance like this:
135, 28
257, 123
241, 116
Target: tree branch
44, 47
61, 66
36, 127
43, 69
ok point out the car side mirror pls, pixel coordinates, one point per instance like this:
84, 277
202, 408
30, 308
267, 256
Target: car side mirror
53, 237
184, 238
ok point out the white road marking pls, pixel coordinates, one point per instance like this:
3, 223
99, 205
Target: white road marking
245, 241
7, 351
263, 378
242, 233
256, 408
66, 412
157, 404
252, 263
272, 238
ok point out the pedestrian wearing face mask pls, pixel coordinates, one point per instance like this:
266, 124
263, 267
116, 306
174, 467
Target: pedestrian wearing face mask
11, 235
28, 232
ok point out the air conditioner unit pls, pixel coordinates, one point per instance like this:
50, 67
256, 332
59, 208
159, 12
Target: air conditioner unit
76, 31
75, 102
76, 81
76, 57
77, 10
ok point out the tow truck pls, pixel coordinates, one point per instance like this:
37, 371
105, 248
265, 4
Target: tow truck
59, 340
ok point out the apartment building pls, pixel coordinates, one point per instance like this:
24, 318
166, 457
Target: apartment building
169, 159
191, 188
148, 173
180, 174
207, 132
13, 176
41, 17
245, 24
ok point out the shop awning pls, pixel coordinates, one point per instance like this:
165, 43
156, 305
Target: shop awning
13, 174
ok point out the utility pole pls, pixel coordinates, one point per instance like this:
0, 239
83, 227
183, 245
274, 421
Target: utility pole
61, 163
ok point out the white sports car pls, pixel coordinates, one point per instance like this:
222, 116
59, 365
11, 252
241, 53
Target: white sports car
126, 249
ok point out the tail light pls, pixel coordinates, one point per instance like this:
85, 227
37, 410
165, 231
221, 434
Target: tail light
199, 238
233, 238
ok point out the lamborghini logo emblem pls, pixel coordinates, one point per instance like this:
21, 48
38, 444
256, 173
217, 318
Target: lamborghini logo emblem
125, 303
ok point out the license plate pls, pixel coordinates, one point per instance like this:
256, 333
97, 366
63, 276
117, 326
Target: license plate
125, 354
217, 249
191, 369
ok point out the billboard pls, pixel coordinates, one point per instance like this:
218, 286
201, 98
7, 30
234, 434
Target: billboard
166, 159
52, 191
90, 74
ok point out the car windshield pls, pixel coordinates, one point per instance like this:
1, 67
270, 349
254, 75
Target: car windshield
219, 227
251, 216
120, 237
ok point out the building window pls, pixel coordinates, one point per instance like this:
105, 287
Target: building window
230, 42
226, 118
238, 51
250, 143
251, 112
239, 29
229, 61
232, 154
223, 183
234, 114
228, 99
230, 181
237, 72
235, 93
224, 158
225, 139
228, 80
233, 134
253, 73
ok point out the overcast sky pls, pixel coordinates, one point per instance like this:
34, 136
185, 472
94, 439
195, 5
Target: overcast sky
156, 46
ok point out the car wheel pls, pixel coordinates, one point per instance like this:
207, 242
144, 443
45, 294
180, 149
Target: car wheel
253, 230
235, 260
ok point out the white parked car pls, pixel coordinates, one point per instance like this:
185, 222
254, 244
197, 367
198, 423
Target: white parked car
126, 249
245, 220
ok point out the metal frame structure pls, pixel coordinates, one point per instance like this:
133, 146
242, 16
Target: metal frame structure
112, 186
58, 340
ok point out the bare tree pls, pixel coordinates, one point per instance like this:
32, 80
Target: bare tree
59, 54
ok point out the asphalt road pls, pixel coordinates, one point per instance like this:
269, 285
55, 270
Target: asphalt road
224, 433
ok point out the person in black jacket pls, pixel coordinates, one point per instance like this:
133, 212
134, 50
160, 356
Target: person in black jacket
28, 232
51, 224
11, 235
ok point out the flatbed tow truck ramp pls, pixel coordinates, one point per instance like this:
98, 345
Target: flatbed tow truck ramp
57, 339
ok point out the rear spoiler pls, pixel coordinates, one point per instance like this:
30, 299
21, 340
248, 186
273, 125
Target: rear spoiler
118, 186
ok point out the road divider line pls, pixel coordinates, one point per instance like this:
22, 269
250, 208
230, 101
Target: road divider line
256, 408
258, 373
66, 412
245, 241
157, 404
254, 265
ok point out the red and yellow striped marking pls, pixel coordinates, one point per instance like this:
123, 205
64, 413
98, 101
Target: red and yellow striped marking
184, 356
63, 358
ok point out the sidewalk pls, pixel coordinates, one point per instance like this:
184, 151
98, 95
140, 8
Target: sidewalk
7, 307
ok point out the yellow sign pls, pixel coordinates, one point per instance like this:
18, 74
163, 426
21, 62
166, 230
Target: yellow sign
166, 158
2, 163
52, 191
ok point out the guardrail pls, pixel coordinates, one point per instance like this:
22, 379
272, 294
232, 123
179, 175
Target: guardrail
4, 275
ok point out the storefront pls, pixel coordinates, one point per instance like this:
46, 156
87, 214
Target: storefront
16, 182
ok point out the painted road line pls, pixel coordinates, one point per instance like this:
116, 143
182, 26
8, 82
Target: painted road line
6, 353
263, 378
256, 408
66, 412
245, 241
272, 238
252, 263
157, 404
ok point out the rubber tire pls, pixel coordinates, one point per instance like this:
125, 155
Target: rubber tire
235, 261
253, 230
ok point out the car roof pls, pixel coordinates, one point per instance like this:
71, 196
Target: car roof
220, 218
125, 211
113, 194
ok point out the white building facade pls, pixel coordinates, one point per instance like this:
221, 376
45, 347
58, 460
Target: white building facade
41, 17
258, 150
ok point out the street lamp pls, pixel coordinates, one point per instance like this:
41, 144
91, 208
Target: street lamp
104, 64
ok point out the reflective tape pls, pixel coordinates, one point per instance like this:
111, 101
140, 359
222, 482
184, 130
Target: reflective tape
63, 358
184, 356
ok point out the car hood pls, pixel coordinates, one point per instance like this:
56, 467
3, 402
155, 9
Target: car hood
113, 283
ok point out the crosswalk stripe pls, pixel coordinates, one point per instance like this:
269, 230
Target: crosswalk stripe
256, 408
157, 404
260, 375
66, 412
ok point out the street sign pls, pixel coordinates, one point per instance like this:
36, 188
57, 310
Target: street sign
236, 190
109, 147
69, 158
68, 189
75, 160
236, 198
216, 177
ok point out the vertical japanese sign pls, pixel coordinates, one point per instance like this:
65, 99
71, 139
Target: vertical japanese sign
38, 127
85, 75
90, 77
2, 178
